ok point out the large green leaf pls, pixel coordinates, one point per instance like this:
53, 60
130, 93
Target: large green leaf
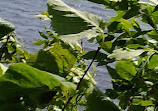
71, 24
5, 27
25, 85
155, 16
126, 69
57, 59
153, 62
120, 54
97, 101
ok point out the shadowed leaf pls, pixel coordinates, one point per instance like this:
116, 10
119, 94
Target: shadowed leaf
72, 25
5, 27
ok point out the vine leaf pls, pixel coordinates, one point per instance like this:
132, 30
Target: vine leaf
23, 85
5, 27
126, 69
120, 54
71, 24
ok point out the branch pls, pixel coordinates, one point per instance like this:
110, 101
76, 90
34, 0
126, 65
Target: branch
79, 84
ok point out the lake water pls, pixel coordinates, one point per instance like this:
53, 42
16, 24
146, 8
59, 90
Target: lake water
21, 14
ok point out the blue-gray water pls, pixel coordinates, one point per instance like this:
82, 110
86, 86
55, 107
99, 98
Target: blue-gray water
21, 14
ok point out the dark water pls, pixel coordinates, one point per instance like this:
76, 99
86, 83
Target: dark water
21, 14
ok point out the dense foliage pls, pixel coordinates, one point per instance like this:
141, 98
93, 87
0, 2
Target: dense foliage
57, 78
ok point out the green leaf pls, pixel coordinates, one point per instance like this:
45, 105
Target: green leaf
136, 24
146, 16
104, 2
134, 11
43, 16
25, 85
97, 101
153, 34
153, 62
72, 25
151, 75
155, 16
12, 106
126, 25
114, 27
43, 35
135, 108
40, 42
3, 69
112, 72
154, 1
57, 59
142, 102
134, 46
120, 54
126, 69
5, 27
107, 46
113, 4
118, 17
90, 55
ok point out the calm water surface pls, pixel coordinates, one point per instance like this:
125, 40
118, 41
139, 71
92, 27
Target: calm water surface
21, 14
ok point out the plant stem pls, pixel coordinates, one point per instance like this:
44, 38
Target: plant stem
78, 86
88, 67
141, 70
146, 62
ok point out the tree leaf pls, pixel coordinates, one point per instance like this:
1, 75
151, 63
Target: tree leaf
136, 108
146, 17
153, 35
126, 69
113, 4
42, 17
40, 42
134, 11
120, 54
25, 85
72, 25
107, 46
97, 101
43, 35
155, 16
153, 62
3, 69
142, 102
5, 27
113, 73
90, 55
57, 59
154, 1
13, 106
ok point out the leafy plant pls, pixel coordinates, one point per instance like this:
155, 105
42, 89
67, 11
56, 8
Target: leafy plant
57, 78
